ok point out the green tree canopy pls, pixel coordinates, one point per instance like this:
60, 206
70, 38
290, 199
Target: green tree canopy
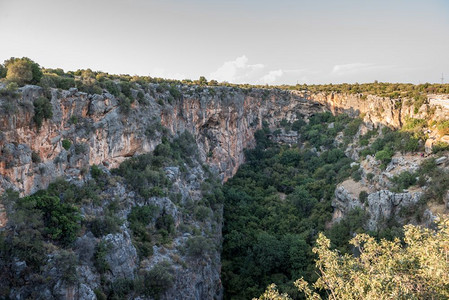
23, 71
416, 268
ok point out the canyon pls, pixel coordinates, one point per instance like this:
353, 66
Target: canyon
95, 129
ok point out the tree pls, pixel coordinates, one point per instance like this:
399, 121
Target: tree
419, 269
23, 71
42, 110
202, 80
2, 71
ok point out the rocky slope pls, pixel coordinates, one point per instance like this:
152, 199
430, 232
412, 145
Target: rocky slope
87, 130
223, 123
100, 130
393, 113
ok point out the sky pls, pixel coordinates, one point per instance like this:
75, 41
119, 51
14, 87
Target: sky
238, 41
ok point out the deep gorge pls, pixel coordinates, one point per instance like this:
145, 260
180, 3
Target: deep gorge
168, 153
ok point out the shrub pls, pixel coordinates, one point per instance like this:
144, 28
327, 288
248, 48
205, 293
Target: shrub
100, 263
356, 175
165, 223
125, 88
80, 149
2, 71
35, 158
42, 110
139, 218
363, 196
141, 97
125, 105
158, 280
198, 246
352, 128
373, 273
61, 219
103, 226
100, 295
112, 87
23, 71
202, 213
403, 181
95, 172
121, 288
439, 147
66, 144
384, 156
443, 127
65, 262
175, 93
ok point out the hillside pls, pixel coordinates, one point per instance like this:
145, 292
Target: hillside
112, 184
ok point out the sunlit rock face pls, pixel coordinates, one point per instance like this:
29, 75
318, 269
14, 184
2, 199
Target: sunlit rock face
101, 133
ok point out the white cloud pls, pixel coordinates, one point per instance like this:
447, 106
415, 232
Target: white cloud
162, 73
240, 71
354, 68
271, 76
237, 71
351, 68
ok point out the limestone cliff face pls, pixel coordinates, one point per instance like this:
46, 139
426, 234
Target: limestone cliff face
389, 112
99, 129
100, 133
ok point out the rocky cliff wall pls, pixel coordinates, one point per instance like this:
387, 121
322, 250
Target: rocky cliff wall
100, 129
100, 132
385, 111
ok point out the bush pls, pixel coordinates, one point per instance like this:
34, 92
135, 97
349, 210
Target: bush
66, 144
139, 218
352, 127
357, 175
175, 93
125, 88
42, 110
439, 147
443, 127
23, 71
80, 149
165, 224
403, 181
103, 226
2, 71
158, 280
35, 158
384, 156
61, 219
202, 213
363, 196
125, 105
198, 246
373, 272
95, 172
112, 88
100, 263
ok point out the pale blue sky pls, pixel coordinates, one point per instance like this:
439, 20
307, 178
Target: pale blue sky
255, 41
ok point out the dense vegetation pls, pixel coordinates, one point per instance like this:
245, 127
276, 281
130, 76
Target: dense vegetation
25, 71
275, 206
416, 268
43, 228
278, 202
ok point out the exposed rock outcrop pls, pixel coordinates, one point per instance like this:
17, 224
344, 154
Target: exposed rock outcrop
100, 133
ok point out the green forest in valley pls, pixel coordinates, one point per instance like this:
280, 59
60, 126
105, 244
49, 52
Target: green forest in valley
278, 202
